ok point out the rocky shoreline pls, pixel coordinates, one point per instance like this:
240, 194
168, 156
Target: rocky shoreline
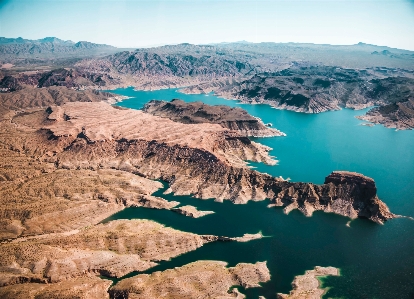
71, 162
399, 115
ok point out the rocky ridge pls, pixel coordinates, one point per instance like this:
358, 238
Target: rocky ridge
236, 119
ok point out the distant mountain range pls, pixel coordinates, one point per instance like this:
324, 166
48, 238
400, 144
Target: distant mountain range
50, 47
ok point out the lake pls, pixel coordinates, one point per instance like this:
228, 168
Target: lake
376, 261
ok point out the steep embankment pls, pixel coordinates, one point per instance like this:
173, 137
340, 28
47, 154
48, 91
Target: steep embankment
236, 119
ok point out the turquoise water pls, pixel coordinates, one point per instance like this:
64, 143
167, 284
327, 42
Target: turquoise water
376, 261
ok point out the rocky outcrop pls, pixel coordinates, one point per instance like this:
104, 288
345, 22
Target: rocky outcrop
236, 119
202, 279
344, 193
191, 211
307, 286
397, 115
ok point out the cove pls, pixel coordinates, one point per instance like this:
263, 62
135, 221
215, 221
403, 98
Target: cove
376, 261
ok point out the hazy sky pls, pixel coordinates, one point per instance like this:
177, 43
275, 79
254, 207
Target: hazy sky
138, 23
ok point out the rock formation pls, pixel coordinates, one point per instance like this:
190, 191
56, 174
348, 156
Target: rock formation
307, 286
345, 193
70, 160
202, 279
236, 119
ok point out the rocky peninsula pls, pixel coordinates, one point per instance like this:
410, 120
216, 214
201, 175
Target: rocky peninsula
191, 211
202, 279
236, 119
307, 286
398, 115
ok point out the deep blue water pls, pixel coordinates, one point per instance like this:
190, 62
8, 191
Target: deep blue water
376, 261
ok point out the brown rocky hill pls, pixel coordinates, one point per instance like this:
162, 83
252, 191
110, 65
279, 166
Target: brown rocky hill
197, 112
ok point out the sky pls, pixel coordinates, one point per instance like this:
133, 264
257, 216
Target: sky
143, 23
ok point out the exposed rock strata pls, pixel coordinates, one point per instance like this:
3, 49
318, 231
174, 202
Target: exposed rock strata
191, 211
307, 286
202, 279
345, 193
197, 112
